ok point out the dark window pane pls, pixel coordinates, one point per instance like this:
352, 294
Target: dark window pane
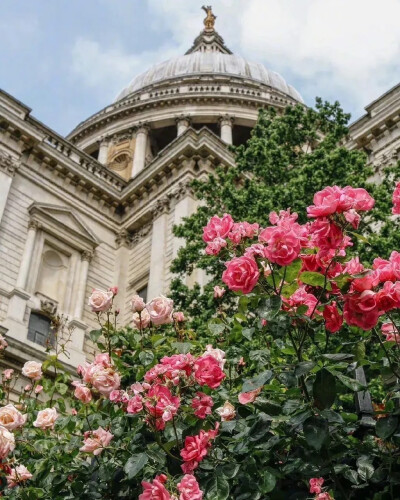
39, 329
142, 292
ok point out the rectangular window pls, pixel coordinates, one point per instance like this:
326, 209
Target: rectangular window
39, 330
142, 292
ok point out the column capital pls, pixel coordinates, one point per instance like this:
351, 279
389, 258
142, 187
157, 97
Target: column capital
160, 207
86, 255
123, 238
226, 120
8, 164
143, 128
34, 224
183, 118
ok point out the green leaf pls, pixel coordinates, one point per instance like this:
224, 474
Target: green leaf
216, 327
228, 470
135, 464
365, 468
340, 356
182, 347
256, 382
217, 488
303, 367
61, 388
293, 270
315, 431
360, 237
268, 482
248, 333
260, 427
314, 279
268, 308
349, 382
386, 426
95, 335
324, 389
146, 357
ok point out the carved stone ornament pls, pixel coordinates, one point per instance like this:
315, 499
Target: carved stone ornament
8, 164
87, 255
182, 189
34, 224
160, 207
141, 233
47, 305
209, 21
123, 238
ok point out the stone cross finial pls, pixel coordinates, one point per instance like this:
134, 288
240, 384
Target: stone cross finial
209, 21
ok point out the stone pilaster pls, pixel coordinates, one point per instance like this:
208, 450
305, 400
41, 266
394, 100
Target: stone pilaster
80, 288
26, 260
139, 157
8, 167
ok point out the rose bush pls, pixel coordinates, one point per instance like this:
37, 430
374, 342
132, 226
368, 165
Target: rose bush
272, 403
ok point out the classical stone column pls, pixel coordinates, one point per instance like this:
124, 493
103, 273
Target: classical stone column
158, 249
182, 124
226, 124
121, 269
103, 150
33, 226
86, 257
139, 156
8, 167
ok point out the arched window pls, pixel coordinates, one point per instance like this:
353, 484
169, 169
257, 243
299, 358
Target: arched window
39, 329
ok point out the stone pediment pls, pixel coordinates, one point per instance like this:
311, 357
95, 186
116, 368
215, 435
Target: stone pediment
58, 220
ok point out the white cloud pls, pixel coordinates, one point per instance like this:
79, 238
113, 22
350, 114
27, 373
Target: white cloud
340, 49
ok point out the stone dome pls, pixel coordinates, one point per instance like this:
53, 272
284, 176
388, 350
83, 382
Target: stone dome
209, 63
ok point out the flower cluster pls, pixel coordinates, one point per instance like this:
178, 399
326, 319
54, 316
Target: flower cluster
99, 375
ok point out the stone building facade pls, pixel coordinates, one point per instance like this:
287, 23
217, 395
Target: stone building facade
97, 208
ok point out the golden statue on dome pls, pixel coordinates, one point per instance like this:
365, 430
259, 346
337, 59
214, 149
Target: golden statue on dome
209, 21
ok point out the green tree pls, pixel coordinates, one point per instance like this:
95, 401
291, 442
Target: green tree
288, 158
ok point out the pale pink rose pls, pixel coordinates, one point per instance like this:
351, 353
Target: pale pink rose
11, 418
95, 441
105, 380
141, 319
114, 290
179, 317
249, 397
216, 353
28, 388
189, 488
214, 247
74, 412
101, 301
7, 442
160, 310
7, 374
352, 217
18, 475
137, 304
32, 370
226, 412
3, 343
217, 227
103, 359
46, 419
219, 292
82, 392
38, 389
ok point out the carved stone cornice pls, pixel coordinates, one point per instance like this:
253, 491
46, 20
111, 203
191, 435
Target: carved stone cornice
8, 164
182, 190
123, 238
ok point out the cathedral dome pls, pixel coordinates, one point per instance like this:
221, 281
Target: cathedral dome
209, 63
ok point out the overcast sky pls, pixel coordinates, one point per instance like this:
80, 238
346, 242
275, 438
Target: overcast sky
67, 59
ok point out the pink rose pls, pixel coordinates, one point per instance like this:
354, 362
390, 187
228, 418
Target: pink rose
155, 490
283, 244
390, 331
215, 246
189, 488
396, 200
18, 475
135, 404
82, 392
28, 388
95, 441
11, 418
196, 448
74, 412
103, 379
217, 227
207, 371
216, 353
7, 442
219, 292
249, 397
38, 389
360, 199
179, 317
241, 274
161, 403
114, 290
137, 304
141, 319
202, 405
101, 301
7, 374
32, 370
323, 496
160, 310
356, 316
3, 343
316, 484
333, 319
328, 201
226, 412
46, 419
103, 359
